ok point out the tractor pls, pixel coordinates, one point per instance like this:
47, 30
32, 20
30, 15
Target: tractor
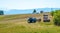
33, 20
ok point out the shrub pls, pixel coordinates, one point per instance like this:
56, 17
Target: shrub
57, 17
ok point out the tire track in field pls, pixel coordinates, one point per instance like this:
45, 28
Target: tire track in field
13, 22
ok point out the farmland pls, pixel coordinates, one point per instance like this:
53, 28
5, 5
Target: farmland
18, 24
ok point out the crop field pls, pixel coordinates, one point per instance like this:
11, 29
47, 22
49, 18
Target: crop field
19, 24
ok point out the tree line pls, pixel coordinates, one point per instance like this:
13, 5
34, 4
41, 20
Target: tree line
35, 12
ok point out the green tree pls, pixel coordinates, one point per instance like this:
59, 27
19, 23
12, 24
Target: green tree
56, 15
1, 12
34, 11
41, 11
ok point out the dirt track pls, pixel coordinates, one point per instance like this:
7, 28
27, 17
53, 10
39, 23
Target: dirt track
14, 20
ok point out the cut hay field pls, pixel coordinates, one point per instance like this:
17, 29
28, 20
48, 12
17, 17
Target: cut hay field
18, 24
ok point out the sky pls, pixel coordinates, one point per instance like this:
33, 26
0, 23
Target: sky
28, 4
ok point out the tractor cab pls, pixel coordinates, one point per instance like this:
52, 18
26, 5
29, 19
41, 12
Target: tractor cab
45, 18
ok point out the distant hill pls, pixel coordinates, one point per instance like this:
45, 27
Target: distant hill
28, 11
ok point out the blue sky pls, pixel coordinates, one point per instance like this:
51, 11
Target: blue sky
7, 5
28, 4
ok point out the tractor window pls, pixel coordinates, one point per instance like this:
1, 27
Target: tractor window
45, 16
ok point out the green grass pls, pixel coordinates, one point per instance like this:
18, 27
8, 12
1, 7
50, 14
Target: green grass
30, 28
24, 27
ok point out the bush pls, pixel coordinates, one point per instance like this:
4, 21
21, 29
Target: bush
57, 17
57, 21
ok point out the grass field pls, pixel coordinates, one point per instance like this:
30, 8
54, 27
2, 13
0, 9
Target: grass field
17, 24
